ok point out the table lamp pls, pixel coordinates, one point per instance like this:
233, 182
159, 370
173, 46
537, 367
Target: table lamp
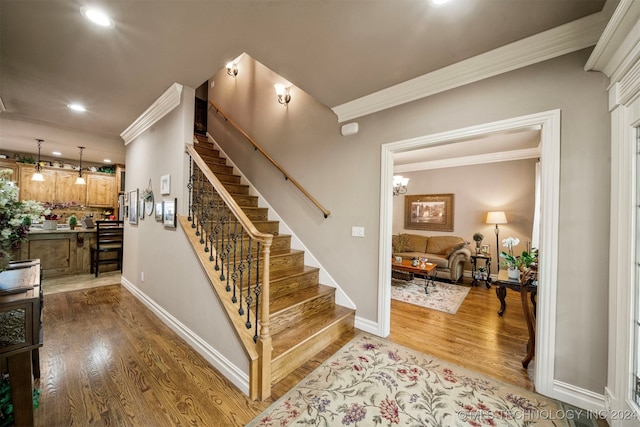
497, 217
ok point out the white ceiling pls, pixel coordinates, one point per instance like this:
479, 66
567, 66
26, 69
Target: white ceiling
335, 50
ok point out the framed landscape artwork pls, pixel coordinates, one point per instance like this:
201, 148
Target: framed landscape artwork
430, 212
159, 211
169, 213
133, 206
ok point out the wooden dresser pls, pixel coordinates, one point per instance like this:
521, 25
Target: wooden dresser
21, 333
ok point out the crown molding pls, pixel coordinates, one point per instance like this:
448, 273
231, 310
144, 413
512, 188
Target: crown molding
618, 51
169, 100
549, 44
481, 159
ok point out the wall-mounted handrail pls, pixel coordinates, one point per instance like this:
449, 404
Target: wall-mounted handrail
287, 177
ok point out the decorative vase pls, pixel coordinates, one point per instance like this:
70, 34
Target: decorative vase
513, 273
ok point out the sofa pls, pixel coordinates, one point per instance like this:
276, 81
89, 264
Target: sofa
448, 253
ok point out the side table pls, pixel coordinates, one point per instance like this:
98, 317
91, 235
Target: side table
476, 275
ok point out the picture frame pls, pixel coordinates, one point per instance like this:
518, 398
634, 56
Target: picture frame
430, 212
158, 212
169, 213
484, 249
165, 184
133, 206
141, 208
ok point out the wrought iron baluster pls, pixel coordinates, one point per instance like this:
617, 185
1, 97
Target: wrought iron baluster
249, 299
223, 221
211, 221
190, 188
216, 231
241, 269
234, 275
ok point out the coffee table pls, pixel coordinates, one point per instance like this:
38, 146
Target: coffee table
426, 270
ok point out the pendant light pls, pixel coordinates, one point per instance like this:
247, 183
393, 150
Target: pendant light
37, 175
80, 180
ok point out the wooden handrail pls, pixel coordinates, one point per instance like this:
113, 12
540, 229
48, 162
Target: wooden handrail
287, 177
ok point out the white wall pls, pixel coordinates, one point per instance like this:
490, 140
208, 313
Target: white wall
343, 174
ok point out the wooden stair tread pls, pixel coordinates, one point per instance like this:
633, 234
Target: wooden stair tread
284, 274
286, 340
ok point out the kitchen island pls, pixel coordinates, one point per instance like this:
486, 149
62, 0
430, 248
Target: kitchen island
61, 252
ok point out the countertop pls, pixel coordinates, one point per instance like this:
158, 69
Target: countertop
62, 228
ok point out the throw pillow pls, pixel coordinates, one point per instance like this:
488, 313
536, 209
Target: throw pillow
400, 243
454, 248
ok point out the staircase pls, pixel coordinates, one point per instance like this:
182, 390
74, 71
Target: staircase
303, 315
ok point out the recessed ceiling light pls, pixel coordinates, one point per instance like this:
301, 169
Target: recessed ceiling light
77, 107
439, 2
56, 153
97, 16
107, 160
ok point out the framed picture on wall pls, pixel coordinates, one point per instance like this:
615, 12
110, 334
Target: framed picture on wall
431, 212
159, 211
133, 206
169, 213
165, 184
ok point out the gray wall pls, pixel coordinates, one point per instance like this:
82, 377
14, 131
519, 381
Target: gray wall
343, 173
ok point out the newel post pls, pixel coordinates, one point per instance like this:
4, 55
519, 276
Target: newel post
264, 341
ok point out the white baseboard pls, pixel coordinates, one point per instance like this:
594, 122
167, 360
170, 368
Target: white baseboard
368, 326
579, 397
228, 370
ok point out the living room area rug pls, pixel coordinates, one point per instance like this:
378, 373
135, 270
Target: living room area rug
443, 296
372, 381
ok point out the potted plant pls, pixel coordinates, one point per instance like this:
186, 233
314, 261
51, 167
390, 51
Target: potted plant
511, 262
477, 237
73, 222
482, 274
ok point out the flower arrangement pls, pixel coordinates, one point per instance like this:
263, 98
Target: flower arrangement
15, 217
147, 195
515, 262
478, 237
510, 261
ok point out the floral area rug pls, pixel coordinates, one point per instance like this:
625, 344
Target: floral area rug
443, 296
371, 382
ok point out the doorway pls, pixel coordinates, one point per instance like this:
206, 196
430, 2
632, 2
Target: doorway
549, 123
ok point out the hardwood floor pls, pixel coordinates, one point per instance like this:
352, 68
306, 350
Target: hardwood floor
475, 337
107, 360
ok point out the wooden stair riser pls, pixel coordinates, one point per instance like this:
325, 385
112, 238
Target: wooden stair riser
304, 310
289, 361
294, 282
278, 262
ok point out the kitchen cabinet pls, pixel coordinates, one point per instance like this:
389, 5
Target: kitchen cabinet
60, 186
101, 190
41, 191
13, 167
67, 190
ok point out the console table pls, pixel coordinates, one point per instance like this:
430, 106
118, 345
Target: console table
21, 333
526, 285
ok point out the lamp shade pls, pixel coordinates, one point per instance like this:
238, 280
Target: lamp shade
496, 217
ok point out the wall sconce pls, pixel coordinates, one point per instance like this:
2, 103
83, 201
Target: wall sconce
399, 184
80, 180
283, 94
232, 69
37, 175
